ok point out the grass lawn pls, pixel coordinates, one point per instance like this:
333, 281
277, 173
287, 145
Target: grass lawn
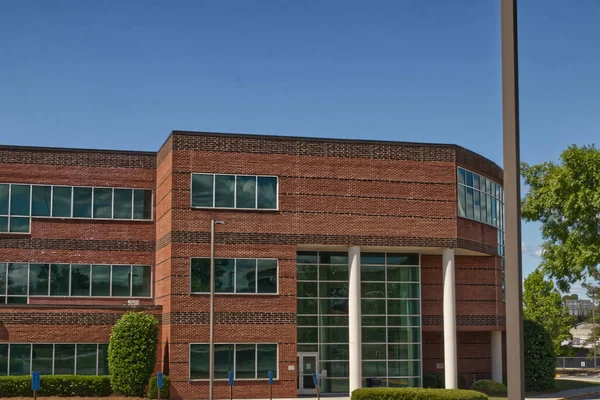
559, 386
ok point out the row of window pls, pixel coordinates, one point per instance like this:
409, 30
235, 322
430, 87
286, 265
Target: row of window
54, 359
341, 258
234, 191
246, 361
20, 202
368, 306
480, 199
366, 320
339, 352
235, 275
325, 335
19, 280
381, 290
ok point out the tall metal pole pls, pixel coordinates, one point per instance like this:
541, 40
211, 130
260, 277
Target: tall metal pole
211, 365
594, 324
512, 202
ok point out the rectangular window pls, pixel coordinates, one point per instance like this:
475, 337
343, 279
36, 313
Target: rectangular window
20, 200
3, 359
248, 361
123, 204
38, 279
64, 359
41, 201
82, 202
234, 191
141, 281
41, 358
59, 279
121, 280
476, 205
103, 202
61, 201
86, 359
4, 189
20, 359
469, 206
100, 280
142, 204
244, 276
2, 281
17, 279
19, 224
103, 359
80, 280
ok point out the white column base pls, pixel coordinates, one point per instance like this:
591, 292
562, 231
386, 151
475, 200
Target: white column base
496, 345
450, 361
354, 321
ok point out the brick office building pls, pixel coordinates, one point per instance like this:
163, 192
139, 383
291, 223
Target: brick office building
354, 259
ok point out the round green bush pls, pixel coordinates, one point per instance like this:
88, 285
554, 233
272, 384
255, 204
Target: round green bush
540, 360
489, 387
153, 390
132, 353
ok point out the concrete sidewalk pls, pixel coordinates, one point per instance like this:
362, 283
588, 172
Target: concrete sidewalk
569, 394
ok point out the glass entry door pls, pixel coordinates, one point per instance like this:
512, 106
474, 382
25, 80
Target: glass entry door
307, 366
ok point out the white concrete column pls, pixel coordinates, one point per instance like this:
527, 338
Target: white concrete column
496, 344
354, 321
450, 364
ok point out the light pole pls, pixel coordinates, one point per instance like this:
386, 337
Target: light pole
211, 356
512, 203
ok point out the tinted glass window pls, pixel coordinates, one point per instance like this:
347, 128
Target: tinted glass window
103, 359
245, 361
64, 359
199, 357
123, 204
41, 358
245, 276
266, 360
19, 199
19, 224
224, 275
202, 190
4, 199
86, 359
224, 189
20, 355
59, 279
200, 275
142, 204
121, 275
3, 224
141, 281
245, 192
267, 276
267, 192
82, 202
3, 359
17, 279
223, 360
61, 201
80, 280
100, 280
102, 203
38, 279
41, 200
2, 280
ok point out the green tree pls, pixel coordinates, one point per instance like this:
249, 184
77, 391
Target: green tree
542, 303
132, 352
565, 198
570, 297
540, 361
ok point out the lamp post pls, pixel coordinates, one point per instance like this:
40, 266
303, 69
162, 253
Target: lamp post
211, 356
512, 203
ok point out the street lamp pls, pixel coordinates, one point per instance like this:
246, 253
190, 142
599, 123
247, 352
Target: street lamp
211, 356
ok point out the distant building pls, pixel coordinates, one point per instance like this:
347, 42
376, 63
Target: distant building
579, 308
581, 333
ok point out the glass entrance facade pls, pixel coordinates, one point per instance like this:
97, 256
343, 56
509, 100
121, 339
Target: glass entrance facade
391, 317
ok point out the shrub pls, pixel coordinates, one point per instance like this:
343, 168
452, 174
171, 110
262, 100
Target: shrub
56, 385
153, 390
540, 360
132, 353
436, 380
489, 387
416, 393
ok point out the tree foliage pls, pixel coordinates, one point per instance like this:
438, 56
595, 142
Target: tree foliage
542, 303
132, 353
540, 360
565, 198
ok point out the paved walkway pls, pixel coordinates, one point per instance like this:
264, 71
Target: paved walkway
583, 392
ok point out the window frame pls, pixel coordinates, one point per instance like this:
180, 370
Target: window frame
275, 377
235, 293
4, 291
235, 192
72, 206
31, 344
481, 192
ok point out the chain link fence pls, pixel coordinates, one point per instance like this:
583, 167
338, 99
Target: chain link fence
577, 362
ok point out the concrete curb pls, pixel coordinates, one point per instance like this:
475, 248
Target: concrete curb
579, 396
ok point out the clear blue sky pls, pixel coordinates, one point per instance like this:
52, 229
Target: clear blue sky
123, 74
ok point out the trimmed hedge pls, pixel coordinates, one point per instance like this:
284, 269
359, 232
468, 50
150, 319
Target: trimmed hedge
132, 353
436, 380
416, 393
57, 385
153, 390
540, 360
489, 387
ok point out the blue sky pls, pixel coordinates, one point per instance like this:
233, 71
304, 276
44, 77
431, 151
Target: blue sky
123, 74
